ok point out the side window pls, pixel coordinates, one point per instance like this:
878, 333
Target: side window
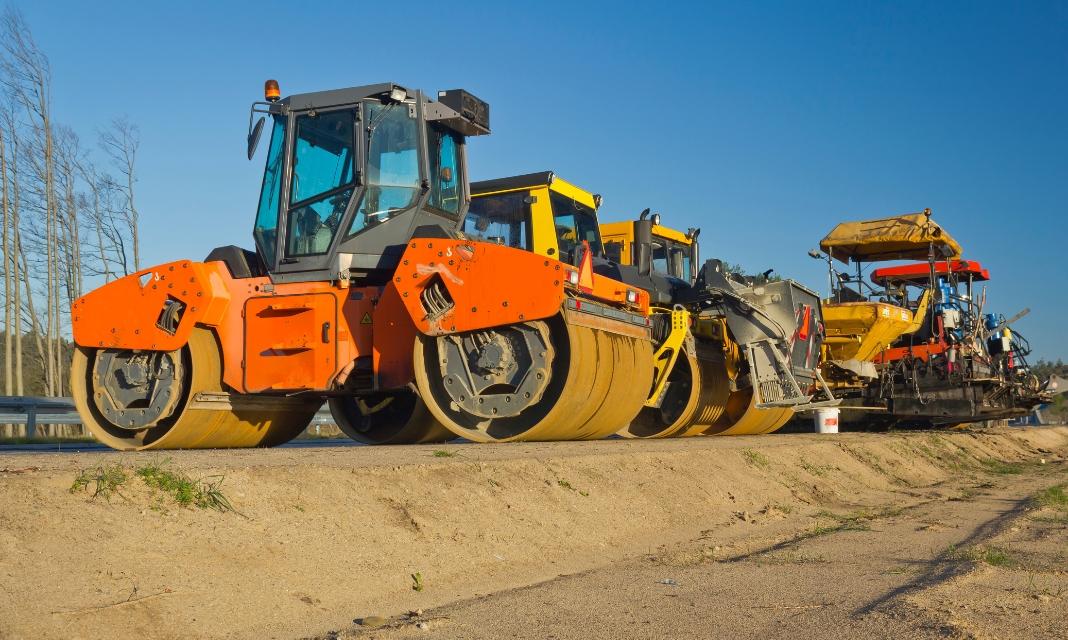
660, 258
323, 169
392, 178
502, 218
266, 229
443, 150
575, 223
613, 251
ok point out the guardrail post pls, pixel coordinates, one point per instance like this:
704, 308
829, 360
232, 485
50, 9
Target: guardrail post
31, 420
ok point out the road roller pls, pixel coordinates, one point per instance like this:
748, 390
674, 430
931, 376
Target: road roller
366, 290
748, 360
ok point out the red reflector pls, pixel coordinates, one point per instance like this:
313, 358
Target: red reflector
802, 332
578, 304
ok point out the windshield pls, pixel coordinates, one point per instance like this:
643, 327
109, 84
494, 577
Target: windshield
671, 258
392, 174
575, 223
323, 169
502, 218
266, 229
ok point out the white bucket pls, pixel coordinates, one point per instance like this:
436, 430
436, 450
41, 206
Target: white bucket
827, 420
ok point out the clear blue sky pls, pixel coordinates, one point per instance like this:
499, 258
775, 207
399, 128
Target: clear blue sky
763, 124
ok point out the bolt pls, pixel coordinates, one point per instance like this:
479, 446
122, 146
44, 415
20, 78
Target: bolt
405, 262
405, 294
494, 411
474, 309
504, 304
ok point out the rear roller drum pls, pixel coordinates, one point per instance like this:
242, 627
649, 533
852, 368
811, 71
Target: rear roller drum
396, 418
743, 417
677, 409
154, 400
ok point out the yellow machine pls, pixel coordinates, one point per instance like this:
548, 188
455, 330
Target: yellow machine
858, 327
722, 383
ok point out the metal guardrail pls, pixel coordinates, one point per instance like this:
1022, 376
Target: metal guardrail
30, 411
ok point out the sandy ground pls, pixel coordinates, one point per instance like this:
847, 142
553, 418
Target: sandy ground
793, 536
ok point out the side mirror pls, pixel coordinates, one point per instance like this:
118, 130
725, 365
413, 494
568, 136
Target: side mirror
254, 137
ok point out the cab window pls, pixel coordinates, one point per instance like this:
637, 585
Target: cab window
443, 149
392, 179
323, 170
660, 258
502, 218
575, 223
266, 230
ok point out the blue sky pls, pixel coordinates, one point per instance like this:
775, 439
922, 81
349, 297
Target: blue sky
764, 124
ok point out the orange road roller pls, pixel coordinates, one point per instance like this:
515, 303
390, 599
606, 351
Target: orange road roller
367, 289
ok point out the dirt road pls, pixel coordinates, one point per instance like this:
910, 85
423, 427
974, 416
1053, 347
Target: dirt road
710, 537
970, 559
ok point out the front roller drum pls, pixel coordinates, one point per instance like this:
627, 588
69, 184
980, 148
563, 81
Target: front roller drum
395, 418
539, 380
149, 400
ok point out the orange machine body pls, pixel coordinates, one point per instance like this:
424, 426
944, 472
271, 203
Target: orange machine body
305, 336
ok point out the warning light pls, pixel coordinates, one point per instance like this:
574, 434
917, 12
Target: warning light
271, 92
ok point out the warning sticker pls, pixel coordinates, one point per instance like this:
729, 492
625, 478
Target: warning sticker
366, 318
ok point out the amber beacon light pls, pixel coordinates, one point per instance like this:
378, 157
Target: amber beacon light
271, 92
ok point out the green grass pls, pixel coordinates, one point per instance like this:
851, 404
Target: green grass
567, 485
993, 556
816, 469
1002, 468
185, 491
1054, 497
105, 481
441, 453
756, 458
417, 581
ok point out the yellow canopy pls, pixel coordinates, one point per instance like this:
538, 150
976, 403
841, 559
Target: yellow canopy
904, 237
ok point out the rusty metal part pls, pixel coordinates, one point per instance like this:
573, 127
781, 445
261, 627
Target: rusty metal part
205, 416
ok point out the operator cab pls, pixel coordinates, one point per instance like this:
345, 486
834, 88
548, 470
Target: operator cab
538, 212
352, 174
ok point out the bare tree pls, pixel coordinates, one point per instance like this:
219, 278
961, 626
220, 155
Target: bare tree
121, 142
27, 77
9, 310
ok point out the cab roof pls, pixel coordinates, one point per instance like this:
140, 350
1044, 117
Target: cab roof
903, 237
528, 181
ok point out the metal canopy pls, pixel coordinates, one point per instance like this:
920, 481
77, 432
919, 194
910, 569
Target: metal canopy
903, 237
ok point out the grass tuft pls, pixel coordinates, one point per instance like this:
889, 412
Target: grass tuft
756, 458
816, 469
106, 481
205, 493
441, 453
1054, 497
417, 581
993, 556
